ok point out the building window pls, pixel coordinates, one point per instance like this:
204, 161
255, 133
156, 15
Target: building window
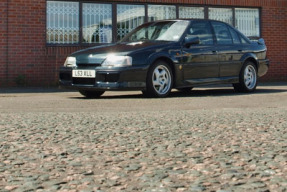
128, 18
79, 22
161, 12
62, 22
221, 14
191, 12
247, 21
97, 23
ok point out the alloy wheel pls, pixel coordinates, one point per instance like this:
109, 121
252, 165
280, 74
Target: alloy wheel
250, 77
161, 79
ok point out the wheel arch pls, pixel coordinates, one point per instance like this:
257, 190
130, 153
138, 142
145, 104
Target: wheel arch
250, 57
248, 77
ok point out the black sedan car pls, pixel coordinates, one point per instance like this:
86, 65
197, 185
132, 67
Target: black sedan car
159, 56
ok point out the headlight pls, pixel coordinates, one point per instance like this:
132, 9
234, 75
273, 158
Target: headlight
70, 62
117, 61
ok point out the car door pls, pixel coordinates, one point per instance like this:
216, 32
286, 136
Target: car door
200, 60
229, 49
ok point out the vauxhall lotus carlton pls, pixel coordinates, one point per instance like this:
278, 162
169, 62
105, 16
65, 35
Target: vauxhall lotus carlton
159, 56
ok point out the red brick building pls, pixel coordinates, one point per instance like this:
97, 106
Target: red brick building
37, 35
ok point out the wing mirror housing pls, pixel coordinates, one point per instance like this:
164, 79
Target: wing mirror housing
191, 40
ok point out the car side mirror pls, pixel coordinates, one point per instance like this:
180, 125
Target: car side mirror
191, 40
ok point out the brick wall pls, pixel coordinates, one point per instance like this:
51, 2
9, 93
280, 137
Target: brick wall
274, 31
26, 40
3, 42
31, 62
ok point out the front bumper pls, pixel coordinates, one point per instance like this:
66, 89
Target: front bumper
125, 78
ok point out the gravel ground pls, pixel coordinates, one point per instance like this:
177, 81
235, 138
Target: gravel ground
211, 140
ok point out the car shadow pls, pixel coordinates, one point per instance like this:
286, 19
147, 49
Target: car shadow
20, 90
223, 92
209, 92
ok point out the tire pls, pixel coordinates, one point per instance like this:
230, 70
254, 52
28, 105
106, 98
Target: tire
185, 89
91, 94
159, 80
247, 78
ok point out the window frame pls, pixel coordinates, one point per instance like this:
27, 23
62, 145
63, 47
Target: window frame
158, 5
259, 17
82, 26
232, 10
115, 33
79, 30
114, 18
190, 6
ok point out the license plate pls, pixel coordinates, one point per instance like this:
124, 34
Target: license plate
84, 73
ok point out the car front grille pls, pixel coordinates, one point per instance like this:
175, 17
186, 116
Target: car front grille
88, 65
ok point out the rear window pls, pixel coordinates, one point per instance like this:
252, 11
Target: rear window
243, 40
222, 33
234, 35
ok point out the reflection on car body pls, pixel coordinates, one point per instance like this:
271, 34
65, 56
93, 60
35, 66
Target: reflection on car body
159, 56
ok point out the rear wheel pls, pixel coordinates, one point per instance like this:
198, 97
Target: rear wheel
91, 94
159, 80
247, 78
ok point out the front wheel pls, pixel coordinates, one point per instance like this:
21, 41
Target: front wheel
91, 94
247, 78
159, 80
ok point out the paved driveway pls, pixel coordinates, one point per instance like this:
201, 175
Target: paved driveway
210, 140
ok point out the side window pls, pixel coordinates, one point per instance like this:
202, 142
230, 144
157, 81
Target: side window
222, 33
234, 35
201, 29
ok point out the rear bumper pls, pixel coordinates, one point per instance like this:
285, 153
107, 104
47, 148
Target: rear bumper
129, 78
263, 66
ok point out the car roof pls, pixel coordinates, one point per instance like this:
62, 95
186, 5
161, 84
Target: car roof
195, 19
191, 20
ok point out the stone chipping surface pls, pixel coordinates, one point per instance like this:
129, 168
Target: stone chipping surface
218, 149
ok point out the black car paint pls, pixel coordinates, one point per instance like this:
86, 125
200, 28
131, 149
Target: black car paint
192, 65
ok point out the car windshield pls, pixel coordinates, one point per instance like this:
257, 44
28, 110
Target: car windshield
158, 31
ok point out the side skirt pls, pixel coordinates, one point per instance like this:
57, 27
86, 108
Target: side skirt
211, 81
